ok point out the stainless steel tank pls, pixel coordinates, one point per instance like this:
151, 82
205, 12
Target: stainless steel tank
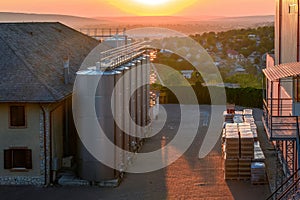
145, 81
124, 124
138, 92
89, 167
132, 106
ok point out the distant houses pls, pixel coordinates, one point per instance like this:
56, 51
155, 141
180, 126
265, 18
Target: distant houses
187, 73
232, 54
38, 63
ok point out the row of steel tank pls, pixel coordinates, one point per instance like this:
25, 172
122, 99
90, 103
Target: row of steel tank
114, 112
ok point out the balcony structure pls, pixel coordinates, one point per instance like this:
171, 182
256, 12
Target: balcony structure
281, 112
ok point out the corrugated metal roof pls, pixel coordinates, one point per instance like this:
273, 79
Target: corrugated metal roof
282, 71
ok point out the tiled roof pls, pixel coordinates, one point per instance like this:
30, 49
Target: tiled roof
31, 60
282, 71
232, 52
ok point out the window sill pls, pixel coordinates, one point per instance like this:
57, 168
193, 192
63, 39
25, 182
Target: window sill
17, 127
19, 170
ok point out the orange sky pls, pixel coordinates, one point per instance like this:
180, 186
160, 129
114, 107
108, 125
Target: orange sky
92, 8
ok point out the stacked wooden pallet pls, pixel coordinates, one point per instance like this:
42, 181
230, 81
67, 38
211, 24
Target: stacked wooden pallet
228, 117
231, 143
231, 151
231, 168
250, 119
258, 173
247, 152
230, 108
247, 144
243, 156
258, 153
244, 168
248, 112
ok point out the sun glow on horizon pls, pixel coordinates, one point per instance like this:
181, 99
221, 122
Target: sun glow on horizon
152, 7
152, 2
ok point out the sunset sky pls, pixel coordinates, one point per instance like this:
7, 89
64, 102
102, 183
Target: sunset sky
93, 8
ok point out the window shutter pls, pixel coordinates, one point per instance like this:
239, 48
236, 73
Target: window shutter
8, 159
28, 159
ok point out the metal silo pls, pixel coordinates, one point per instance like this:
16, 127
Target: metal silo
133, 114
138, 101
124, 124
144, 93
89, 167
118, 105
131, 107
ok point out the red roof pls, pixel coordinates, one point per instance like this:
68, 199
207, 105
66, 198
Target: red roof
282, 71
232, 52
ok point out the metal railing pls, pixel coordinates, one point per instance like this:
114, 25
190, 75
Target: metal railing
279, 106
120, 55
280, 126
288, 188
103, 32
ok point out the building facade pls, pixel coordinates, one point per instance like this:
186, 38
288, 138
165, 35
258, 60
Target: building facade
38, 62
281, 102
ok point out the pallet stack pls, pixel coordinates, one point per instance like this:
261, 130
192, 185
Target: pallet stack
231, 143
258, 153
248, 118
244, 168
231, 151
229, 113
247, 153
247, 144
258, 173
228, 117
231, 168
243, 156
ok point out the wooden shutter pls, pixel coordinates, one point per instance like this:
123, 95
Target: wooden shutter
17, 116
28, 155
8, 159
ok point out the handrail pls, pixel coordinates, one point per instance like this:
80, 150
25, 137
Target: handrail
278, 104
289, 189
113, 57
279, 98
266, 105
281, 186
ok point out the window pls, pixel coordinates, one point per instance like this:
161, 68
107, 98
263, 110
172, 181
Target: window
19, 158
293, 8
17, 116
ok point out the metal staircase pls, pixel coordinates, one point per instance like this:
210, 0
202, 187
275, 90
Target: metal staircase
289, 189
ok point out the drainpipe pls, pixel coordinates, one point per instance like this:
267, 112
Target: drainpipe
46, 143
271, 113
279, 96
298, 34
67, 147
280, 31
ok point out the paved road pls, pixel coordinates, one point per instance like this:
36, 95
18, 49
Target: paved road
187, 178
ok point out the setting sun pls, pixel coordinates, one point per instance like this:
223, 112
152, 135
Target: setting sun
152, 2
152, 7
